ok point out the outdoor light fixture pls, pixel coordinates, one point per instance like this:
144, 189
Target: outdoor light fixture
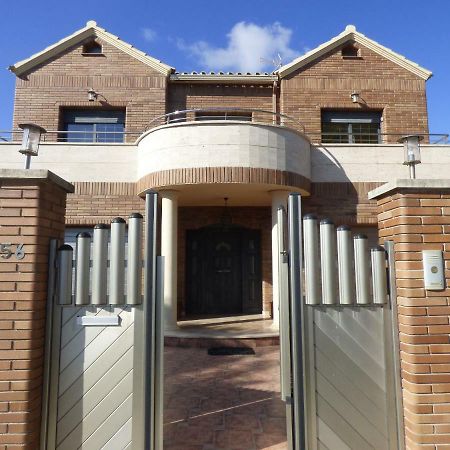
92, 95
30, 141
355, 96
411, 145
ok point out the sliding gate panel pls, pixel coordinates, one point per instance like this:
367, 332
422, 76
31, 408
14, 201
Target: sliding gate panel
95, 379
348, 381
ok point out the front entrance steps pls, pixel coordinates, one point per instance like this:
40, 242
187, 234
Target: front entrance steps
236, 331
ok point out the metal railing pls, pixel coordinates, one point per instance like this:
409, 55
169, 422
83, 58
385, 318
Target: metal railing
375, 138
201, 115
262, 116
77, 137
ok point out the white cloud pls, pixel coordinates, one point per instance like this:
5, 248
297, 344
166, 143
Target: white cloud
250, 48
148, 34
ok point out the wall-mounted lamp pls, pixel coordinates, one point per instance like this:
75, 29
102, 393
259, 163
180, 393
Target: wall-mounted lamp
356, 97
411, 145
92, 95
30, 141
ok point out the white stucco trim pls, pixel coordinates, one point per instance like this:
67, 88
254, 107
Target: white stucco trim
90, 30
350, 34
407, 183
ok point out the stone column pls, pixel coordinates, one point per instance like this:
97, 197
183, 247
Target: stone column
415, 214
279, 198
169, 242
32, 210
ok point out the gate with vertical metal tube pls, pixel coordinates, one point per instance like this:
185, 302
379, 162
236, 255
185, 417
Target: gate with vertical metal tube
105, 339
338, 337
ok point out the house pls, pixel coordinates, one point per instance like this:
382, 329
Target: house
223, 150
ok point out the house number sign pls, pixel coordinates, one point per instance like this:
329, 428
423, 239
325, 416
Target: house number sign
9, 250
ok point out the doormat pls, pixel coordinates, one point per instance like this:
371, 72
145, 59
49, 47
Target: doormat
225, 351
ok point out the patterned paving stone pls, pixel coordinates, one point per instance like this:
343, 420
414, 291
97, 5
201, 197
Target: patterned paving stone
223, 402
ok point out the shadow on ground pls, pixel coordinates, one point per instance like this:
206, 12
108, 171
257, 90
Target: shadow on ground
223, 402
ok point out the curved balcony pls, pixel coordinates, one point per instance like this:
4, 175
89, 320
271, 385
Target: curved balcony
229, 154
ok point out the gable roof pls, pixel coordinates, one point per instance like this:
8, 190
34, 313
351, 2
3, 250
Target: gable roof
351, 35
90, 30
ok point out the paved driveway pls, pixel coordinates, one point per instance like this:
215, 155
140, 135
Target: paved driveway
223, 402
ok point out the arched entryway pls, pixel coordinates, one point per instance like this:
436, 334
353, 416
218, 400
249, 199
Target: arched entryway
223, 271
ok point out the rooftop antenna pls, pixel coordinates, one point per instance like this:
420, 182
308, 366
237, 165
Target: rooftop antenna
276, 62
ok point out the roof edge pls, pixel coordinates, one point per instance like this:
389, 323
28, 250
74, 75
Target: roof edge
351, 34
91, 29
241, 79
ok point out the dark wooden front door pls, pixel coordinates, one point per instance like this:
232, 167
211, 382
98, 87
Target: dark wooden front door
223, 271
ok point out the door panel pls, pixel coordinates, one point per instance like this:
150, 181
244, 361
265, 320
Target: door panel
223, 272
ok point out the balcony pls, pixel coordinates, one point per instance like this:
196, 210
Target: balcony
203, 148
207, 156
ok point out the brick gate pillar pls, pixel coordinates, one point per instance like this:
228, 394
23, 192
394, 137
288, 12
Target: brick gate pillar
415, 214
32, 210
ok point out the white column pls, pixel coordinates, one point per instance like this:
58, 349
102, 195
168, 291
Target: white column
169, 246
279, 198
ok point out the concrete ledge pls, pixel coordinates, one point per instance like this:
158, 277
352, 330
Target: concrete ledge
37, 175
406, 183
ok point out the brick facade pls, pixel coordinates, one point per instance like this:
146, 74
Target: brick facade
416, 220
192, 96
127, 83
383, 85
31, 213
122, 82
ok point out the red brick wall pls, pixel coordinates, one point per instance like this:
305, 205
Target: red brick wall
191, 96
123, 81
344, 203
383, 85
93, 203
418, 221
31, 212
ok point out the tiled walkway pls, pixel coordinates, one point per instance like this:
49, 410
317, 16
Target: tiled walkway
223, 402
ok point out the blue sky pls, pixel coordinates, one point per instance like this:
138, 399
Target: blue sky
213, 35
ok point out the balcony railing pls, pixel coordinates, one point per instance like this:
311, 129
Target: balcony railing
261, 116
83, 137
376, 138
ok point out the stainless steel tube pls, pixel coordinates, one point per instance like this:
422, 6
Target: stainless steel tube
379, 276
311, 257
117, 262
64, 275
345, 265
100, 264
82, 268
328, 261
295, 271
134, 268
361, 247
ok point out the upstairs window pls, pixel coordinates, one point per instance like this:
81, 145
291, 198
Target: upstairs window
224, 115
92, 48
94, 125
348, 127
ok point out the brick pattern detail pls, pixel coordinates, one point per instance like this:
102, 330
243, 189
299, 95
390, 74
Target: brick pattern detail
211, 175
30, 213
344, 203
123, 82
192, 96
250, 217
383, 85
93, 203
418, 221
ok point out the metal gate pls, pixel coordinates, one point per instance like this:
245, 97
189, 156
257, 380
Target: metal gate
104, 339
338, 337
